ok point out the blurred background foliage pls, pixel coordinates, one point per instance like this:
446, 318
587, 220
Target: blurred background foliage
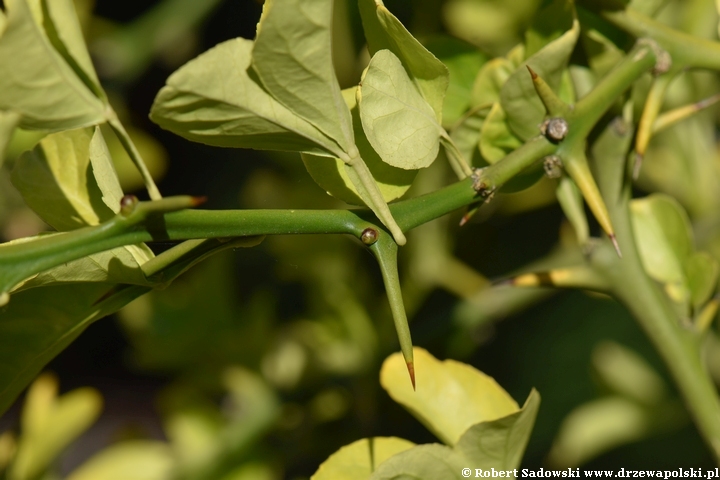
259, 363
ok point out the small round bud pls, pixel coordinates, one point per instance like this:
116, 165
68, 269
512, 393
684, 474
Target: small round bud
556, 129
127, 204
369, 236
553, 166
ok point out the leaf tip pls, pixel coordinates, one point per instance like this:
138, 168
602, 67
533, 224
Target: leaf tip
4, 298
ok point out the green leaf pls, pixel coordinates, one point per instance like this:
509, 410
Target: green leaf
496, 139
450, 397
57, 180
333, 176
549, 23
596, 427
500, 443
36, 82
525, 110
137, 459
8, 122
384, 31
292, 57
423, 462
213, 100
360, 459
466, 135
40, 322
463, 62
50, 424
489, 81
398, 122
65, 33
628, 374
701, 271
664, 238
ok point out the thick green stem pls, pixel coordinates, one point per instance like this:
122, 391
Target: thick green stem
678, 346
685, 50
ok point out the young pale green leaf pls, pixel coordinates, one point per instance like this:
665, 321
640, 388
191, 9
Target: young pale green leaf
57, 423
41, 322
360, 459
293, 59
398, 122
525, 111
8, 122
701, 271
423, 462
463, 62
333, 176
664, 238
596, 427
496, 139
383, 31
466, 135
628, 374
136, 459
57, 180
213, 100
500, 443
104, 172
65, 33
35, 80
450, 396
489, 81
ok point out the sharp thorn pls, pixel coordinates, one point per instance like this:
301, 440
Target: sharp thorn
411, 371
198, 201
468, 215
532, 72
615, 244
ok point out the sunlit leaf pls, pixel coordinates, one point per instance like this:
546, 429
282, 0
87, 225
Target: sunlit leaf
51, 423
500, 443
360, 459
489, 81
137, 459
213, 99
56, 180
331, 174
35, 80
450, 397
64, 31
292, 57
423, 462
384, 31
398, 122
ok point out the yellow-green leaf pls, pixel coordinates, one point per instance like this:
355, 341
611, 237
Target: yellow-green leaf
360, 459
138, 459
450, 396
398, 122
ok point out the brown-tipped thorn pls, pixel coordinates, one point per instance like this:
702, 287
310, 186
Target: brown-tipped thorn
468, 215
411, 371
198, 201
532, 72
615, 244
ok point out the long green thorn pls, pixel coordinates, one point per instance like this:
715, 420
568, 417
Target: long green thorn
553, 104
